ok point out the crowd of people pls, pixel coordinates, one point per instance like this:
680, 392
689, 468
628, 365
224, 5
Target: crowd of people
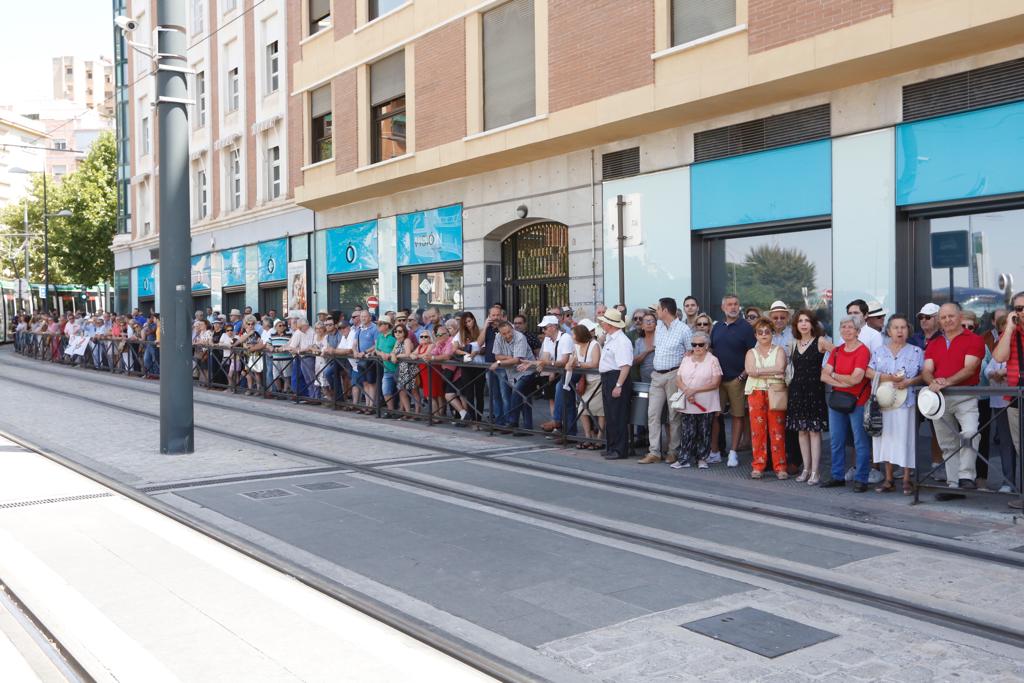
773, 380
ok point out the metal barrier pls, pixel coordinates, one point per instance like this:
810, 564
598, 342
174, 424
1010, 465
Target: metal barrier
1017, 486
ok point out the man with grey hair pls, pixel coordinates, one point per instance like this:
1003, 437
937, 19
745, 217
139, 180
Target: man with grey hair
954, 359
671, 342
730, 341
303, 366
512, 352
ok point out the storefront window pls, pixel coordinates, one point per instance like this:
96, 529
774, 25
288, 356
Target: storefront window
794, 267
442, 289
345, 295
996, 270
274, 298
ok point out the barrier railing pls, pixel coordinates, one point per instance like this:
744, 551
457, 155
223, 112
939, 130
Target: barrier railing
926, 479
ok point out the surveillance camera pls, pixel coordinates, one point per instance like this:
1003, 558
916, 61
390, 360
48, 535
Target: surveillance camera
126, 24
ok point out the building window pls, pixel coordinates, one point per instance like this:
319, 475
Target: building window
147, 228
144, 134
319, 15
321, 124
230, 5
200, 99
693, 19
233, 89
509, 73
59, 172
197, 16
235, 179
273, 172
378, 7
60, 143
201, 195
273, 67
387, 108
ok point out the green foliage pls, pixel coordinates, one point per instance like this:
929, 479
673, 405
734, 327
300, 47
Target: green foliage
79, 244
771, 272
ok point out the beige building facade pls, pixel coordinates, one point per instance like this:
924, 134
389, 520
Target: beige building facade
549, 152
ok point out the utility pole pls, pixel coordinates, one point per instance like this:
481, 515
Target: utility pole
177, 420
28, 279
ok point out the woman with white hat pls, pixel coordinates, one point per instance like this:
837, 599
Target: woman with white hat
897, 364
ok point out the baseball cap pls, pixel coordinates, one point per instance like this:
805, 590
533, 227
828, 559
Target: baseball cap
929, 309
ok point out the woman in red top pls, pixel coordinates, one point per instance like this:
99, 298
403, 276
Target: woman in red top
846, 372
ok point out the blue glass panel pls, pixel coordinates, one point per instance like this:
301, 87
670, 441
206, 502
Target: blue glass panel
778, 184
201, 273
352, 248
146, 276
432, 236
974, 154
233, 267
274, 260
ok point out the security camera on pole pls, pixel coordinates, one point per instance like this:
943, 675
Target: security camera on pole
177, 420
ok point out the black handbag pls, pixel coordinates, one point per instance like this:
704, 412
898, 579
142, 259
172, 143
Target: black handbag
844, 401
873, 412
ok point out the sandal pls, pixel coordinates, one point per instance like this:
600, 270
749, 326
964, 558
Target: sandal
908, 488
582, 445
886, 486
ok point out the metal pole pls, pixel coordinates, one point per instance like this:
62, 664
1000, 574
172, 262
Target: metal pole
951, 297
46, 249
28, 280
177, 419
620, 205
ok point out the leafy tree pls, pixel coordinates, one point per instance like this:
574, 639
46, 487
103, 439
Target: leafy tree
12, 217
771, 272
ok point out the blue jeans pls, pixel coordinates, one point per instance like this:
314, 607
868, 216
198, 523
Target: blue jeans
332, 373
151, 360
388, 384
501, 395
521, 409
841, 424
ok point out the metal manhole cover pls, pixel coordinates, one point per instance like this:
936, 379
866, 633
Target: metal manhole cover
323, 486
267, 493
759, 632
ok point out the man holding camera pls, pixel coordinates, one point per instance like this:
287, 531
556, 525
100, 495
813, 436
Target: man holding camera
1010, 350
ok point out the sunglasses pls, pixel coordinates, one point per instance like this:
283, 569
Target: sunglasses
425, 337
698, 345
967, 326
636, 320
1018, 309
760, 332
922, 316
752, 316
703, 324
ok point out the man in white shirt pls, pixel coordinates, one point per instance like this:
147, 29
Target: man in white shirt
616, 387
303, 367
555, 349
868, 336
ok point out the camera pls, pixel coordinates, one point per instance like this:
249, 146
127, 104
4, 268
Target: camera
126, 24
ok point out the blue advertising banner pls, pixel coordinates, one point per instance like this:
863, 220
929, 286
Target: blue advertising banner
201, 273
274, 260
146, 286
233, 268
352, 248
430, 236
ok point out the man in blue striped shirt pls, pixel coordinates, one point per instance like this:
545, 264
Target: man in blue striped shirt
671, 342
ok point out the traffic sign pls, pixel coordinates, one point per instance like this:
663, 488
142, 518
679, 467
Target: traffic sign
950, 249
372, 303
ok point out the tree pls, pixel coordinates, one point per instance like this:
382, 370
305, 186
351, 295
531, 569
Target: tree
81, 242
12, 257
771, 273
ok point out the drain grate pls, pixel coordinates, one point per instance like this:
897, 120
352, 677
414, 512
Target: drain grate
47, 501
759, 632
267, 494
323, 486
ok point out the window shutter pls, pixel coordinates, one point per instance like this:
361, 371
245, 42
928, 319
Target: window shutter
387, 78
509, 85
984, 87
781, 130
319, 8
320, 101
693, 19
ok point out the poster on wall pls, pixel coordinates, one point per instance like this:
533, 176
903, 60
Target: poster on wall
146, 285
201, 273
233, 268
352, 248
433, 236
297, 288
273, 256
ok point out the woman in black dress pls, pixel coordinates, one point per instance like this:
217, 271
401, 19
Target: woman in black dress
808, 413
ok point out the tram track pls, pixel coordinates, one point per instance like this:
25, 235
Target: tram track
569, 519
863, 529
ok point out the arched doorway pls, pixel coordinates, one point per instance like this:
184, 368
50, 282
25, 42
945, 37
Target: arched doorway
535, 269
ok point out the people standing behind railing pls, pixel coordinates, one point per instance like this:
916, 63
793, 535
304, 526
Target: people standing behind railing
218, 369
364, 380
151, 353
444, 351
586, 356
643, 348
765, 367
730, 341
405, 370
691, 308
556, 348
954, 359
1003, 441
807, 413
498, 388
431, 384
319, 361
232, 344
303, 364
472, 381
616, 386
281, 370
253, 351
513, 354
383, 345
846, 372
897, 364
666, 341
698, 377
1010, 350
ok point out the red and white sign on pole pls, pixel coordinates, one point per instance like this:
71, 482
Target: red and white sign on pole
372, 303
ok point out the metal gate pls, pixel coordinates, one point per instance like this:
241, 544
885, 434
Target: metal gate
535, 270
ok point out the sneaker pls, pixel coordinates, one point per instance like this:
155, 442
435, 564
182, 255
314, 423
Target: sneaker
756, 474
860, 487
875, 477
967, 484
953, 485
650, 458
714, 457
679, 464
702, 464
734, 460
1005, 488
850, 473
782, 474
686, 465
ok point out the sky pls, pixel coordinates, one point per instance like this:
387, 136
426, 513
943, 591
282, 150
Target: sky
32, 33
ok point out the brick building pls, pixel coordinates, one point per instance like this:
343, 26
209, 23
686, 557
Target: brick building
530, 151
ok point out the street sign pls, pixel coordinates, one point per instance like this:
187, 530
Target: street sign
950, 249
24, 289
372, 303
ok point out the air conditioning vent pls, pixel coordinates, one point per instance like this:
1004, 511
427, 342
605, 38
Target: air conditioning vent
782, 130
984, 87
620, 164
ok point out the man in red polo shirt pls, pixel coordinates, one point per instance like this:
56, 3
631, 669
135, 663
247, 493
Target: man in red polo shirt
1010, 350
953, 358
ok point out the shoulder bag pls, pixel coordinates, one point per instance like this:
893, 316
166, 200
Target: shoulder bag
844, 401
791, 346
581, 383
873, 412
